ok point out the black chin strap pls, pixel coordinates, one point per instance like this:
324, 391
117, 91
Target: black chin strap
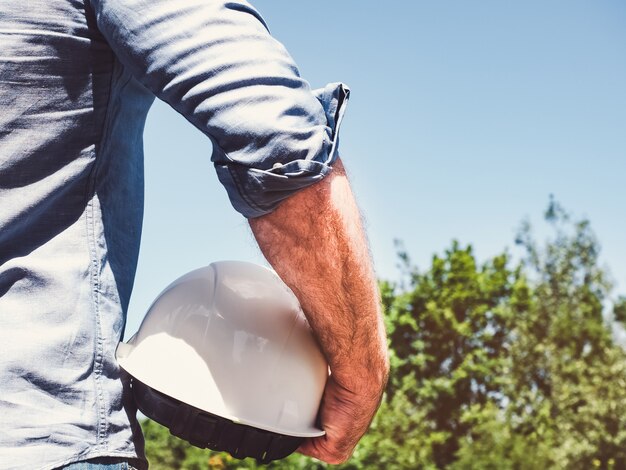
206, 430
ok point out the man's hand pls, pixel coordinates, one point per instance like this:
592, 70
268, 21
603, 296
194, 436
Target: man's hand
344, 426
316, 243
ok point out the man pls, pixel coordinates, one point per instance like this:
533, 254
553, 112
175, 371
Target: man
76, 81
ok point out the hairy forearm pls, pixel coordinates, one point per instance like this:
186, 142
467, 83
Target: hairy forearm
316, 243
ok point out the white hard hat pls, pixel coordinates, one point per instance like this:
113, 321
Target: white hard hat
228, 341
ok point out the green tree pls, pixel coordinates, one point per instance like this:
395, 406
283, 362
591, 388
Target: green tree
565, 394
448, 334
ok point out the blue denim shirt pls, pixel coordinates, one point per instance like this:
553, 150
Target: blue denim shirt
77, 78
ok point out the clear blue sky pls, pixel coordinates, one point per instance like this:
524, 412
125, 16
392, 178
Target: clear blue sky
464, 118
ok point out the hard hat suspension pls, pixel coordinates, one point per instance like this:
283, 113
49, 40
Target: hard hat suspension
205, 430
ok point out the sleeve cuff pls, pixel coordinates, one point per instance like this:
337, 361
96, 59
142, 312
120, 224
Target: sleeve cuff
254, 192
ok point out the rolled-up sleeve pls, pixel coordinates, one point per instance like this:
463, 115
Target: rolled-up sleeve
216, 64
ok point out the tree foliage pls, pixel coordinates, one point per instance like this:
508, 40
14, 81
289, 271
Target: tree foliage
499, 365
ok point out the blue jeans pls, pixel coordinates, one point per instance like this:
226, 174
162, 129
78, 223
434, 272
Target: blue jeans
104, 463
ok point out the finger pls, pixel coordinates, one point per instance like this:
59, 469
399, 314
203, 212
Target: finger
322, 449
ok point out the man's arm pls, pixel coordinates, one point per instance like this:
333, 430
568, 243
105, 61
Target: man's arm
316, 243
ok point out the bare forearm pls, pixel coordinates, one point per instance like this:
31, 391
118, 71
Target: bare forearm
316, 243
